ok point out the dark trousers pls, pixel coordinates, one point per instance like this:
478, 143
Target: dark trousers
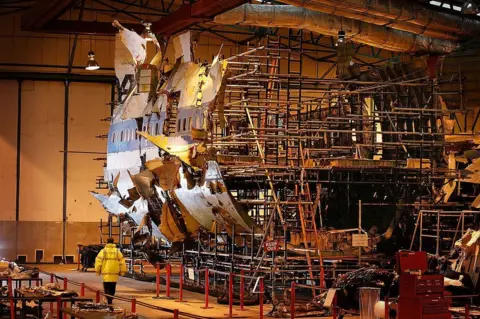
109, 289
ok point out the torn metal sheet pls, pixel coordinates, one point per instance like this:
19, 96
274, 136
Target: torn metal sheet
136, 45
167, 172
211, 203
183, 47
471, 174
172, 145
143, 183
111, 203
138, 213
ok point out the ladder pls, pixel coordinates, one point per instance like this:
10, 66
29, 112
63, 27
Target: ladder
307, 212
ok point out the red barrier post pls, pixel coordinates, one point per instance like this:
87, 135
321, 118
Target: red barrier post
207, 289
134, 306
387, 310
82, 290
467, 311
242, 290
175, 313
157, 281
334, 307
65, 283
51, 304
169, 273
292, 300
261, 298
322, 277
230, 296
10, 294
97, 296
181, 285
59, 306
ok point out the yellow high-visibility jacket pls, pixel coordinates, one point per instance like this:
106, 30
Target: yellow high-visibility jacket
110, 263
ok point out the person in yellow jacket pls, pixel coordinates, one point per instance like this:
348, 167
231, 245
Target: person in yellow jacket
110, 264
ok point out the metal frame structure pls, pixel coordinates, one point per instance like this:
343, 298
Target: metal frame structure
441, 232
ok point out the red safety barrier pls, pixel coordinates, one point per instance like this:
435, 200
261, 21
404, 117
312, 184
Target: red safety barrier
82, 290
157, 282
65, 283
230, 296
467, 311
292, 300
334, 307
180, 293
169, 273
207, 289
242, 290
51, 304
387, 308
134, 306
175, 313
59, 306
10, 294
260, 297
97, 296
322, 278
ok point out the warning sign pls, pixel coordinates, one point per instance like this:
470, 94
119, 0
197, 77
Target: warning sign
271, 245
191, 273
359, 240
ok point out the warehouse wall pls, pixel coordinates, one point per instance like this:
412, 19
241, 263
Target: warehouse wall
40, 222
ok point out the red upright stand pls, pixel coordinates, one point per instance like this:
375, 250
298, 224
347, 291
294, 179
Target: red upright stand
82, 290
387, 310
242, 290
322, 278
134, 306
467, 311
181, 285
65, 283
261, 298
169, 273
175, 313
59, 306
292, 300
157, 281
97, 296
51, 304
334, 307
230, 296
10, 294
207, 289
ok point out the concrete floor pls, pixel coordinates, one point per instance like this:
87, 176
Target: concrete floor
144, 291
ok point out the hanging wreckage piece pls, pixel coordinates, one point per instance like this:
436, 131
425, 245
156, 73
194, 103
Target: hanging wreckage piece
151, 153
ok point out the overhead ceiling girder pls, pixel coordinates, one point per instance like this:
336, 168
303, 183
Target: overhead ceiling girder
88, 27
43, 12
189, 14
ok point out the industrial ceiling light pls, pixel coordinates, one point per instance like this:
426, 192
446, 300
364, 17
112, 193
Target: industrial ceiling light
470, 7
341, 37
92, 64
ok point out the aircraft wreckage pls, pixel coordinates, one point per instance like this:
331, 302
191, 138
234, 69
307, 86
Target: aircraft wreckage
239, 165
152, 154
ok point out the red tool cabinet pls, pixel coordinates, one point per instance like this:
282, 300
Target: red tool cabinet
421, 296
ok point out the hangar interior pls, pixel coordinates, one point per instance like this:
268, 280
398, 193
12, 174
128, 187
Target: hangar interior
309, 158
